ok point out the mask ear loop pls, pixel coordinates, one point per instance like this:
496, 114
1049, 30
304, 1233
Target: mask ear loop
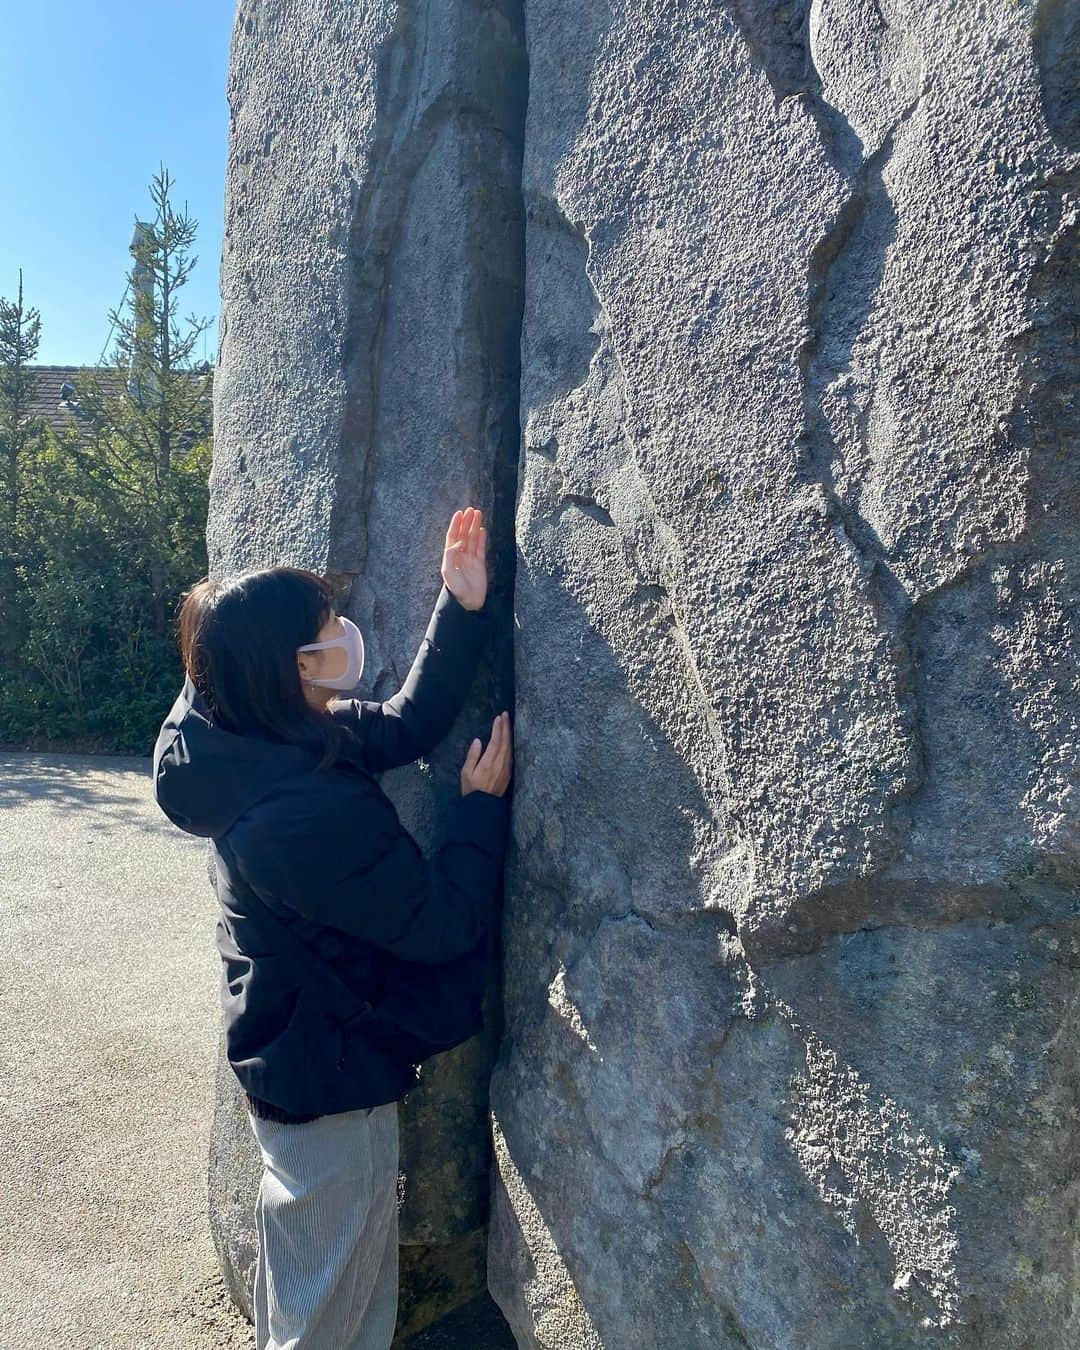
317, 646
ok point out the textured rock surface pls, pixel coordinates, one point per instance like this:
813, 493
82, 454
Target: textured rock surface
371, 282
791, 936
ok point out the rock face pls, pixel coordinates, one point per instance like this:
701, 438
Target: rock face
791, 941
788, 574
366, 386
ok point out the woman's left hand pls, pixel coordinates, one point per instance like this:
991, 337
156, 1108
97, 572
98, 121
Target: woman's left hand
464, 563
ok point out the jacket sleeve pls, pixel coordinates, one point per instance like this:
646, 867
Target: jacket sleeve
362, 872
420, 714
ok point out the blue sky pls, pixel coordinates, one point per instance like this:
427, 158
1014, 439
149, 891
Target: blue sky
98, 96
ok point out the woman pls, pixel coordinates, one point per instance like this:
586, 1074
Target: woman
347, 957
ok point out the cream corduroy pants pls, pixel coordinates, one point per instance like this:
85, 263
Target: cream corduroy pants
327, 1224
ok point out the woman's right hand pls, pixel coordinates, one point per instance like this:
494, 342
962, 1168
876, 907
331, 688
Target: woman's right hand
490, 771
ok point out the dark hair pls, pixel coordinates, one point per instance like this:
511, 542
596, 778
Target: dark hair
238, 639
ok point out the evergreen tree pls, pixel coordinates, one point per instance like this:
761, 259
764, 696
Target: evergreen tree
149, 412
110, 519
20, 335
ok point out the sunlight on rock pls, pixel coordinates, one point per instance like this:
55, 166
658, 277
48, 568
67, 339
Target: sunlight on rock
561, 1001
863, 1151
560, 1318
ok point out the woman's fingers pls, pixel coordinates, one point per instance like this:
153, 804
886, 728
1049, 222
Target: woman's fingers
500, 740
493, 766
467, 528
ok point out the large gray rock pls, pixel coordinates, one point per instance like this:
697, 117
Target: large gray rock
366, 386
791, 936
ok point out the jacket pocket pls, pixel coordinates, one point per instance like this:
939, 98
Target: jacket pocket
296, 1067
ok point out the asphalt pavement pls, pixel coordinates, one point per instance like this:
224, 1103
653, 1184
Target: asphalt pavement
108, 1004
109, 1015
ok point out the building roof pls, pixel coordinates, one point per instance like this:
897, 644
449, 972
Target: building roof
54, 392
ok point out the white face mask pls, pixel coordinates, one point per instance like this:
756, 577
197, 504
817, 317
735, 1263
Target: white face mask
353, 643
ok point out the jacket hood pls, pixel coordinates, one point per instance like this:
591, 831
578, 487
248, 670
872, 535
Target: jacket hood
206, 777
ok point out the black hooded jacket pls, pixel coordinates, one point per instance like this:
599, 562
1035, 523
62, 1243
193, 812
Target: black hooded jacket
344, 882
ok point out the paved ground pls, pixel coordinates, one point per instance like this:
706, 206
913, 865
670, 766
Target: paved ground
108, 1004
107, 1001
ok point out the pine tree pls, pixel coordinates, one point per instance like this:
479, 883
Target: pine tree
20, 335
148, 413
